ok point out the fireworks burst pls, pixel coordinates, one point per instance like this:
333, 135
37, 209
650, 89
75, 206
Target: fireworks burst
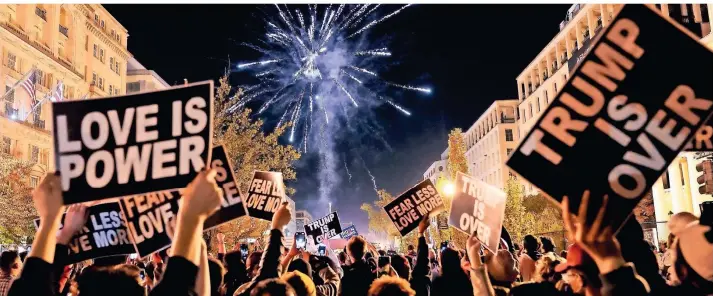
319, 59
316, 49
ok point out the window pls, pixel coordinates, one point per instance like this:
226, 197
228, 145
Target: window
86, 43
40, 77
34, 153
6, 143
94, 78
101, 54
113, 33
509, 151
530, 106
11, 60
42, 13
10, 97
680, 170
547, 99
111, 89
664, 179
111, 63
538, 105
102, 24
116, 91
132, 87
101, 83
508, 136
96, 50
34, 180
96, 18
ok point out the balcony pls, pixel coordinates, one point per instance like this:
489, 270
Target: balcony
40, 124
41, 13
39, 46
64, 31
13, 73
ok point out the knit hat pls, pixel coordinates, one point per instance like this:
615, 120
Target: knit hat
697, 248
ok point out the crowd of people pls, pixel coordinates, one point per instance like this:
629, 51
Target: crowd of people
599, 261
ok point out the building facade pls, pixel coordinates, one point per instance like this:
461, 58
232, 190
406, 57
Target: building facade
302, 218
489, 142
437, 170
140, 79
80, 45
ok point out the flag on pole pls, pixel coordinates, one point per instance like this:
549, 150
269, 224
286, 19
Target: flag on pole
28, 85
57, 94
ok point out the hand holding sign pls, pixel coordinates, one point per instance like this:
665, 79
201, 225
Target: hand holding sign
74, 219
597, 239
202, 197
282, 216
48, 198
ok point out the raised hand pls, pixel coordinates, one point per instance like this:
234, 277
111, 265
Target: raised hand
220, 237
48, 198
473, 250
423, 225
74, 219
202, 197
282, 216
598, 239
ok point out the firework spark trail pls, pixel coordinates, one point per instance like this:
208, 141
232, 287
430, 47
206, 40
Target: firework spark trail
404, 111
356, 15
339, 12
373, 179
346, 92
421, 89
261, 63
384, 52
364, 70
324, 22
373, 23
364, 16
257, 48
347, 168
301, 18
352, 77
268, 72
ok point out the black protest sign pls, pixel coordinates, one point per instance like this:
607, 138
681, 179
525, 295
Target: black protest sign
702, 140
265, 194
324, 228
134, 144
348, 232
478, 207
629, 108
150, 219
104, 234
407, 210
231, 206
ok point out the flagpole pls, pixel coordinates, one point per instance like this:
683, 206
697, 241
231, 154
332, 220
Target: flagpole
17, 83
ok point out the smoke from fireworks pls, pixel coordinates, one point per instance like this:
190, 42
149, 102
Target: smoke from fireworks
320, 55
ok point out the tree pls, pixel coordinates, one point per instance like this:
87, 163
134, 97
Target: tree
517, 220
15, 200
457, 162
644, 210
249, 149
456, 154
379, 221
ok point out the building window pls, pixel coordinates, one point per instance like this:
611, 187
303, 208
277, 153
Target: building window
116, 91
102, 24
683, 180
133, 87
40, 77
116, 67
509, 151
96, 18
664, 180
547, 99
101, 54
111, 89
42, 13
113, 33
96, 51
6, 143
111, 63
94, 78
538, 104
34, 154
34, 181
101, 83
86, 43
11, 61
530, 106
508, 136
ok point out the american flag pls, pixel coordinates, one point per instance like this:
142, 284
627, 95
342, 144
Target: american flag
29, 85
57, 94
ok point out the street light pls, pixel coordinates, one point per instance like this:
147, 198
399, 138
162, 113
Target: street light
449, 189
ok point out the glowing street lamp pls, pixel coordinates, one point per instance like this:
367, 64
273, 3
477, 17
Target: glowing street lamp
449, 189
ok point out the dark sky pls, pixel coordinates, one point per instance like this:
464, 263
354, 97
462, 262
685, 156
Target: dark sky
469, 55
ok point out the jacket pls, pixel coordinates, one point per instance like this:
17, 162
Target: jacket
357, 279
420, 281
269, 263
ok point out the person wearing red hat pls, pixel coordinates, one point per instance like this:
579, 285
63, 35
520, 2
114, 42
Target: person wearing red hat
581, 272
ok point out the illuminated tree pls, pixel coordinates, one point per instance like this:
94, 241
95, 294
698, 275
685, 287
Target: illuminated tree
15, 200
249, 149
518, 221
456, 154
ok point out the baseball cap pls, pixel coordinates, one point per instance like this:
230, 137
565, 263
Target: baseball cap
576, 257
697, 249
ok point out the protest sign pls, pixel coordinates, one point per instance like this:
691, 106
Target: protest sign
478, 207
232, 205
628, 109
442, 222
407, 210
702, 139
104, 234
134, 144
323, 228
348, 232
150, 219
265, 194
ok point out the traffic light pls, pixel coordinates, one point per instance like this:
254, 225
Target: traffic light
706, 180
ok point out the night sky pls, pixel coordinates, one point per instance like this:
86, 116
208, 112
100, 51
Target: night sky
469, 55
